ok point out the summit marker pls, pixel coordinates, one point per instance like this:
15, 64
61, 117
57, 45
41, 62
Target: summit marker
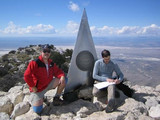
83, 58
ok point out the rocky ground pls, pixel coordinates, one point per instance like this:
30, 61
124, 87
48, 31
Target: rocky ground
145, 105
14, 97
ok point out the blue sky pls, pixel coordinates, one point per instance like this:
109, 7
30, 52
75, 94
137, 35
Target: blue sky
62, 17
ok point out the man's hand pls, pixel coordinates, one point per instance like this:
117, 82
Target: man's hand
117, 81
110, 80
34, 89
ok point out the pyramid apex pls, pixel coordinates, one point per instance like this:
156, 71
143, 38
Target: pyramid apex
84, 16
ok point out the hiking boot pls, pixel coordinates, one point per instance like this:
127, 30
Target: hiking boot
111, 106
57, 101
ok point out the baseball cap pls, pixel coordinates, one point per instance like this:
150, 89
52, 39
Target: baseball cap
46, 48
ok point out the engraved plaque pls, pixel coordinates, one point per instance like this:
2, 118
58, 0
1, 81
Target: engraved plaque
85, 61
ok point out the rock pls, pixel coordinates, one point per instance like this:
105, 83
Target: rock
6, 105
16, 94
155, 112
26, 98
12, 52
131, 116
16, 89
4, 116
85, 93
30, 115
74, 107
143, 92
128, 108
2, 93
158, 88
16, 97
144, 117
138, 108
20, 108
105, 116
3, 71
151, 101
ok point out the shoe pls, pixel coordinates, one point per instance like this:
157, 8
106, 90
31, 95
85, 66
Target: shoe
111, 106
57, 101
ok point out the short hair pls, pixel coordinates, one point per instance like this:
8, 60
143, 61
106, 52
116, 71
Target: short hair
105, 53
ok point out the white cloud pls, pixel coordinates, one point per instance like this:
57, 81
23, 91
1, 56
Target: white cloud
103, 31
152, 30
71, 29
128, 30
38, 29
73, 6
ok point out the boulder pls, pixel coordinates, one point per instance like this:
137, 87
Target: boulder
30, 115
85, 93
155, 112
138, 108
4, 116
20, 108
16, 97
151, 101
158, 88
6, 105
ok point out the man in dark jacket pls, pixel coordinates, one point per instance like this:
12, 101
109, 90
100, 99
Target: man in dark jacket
42, 75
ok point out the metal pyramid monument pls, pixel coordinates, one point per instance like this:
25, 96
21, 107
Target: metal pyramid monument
83, 58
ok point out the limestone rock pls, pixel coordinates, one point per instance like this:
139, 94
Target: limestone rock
138, 108
4, 116
74, 108
30, 115
155, 112
151, 101
143, 106
16, 97
85, 93
6, 105
158, 88
15, 89
20, 109
105, 116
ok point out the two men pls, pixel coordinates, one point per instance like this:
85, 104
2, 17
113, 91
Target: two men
103, 71
42, 75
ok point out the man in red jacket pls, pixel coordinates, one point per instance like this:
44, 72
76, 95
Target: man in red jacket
42, 75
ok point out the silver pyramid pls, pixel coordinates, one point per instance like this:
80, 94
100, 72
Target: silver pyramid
83, 58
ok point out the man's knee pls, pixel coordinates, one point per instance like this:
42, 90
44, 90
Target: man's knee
111, 87
98, 93
57, 83
95, 91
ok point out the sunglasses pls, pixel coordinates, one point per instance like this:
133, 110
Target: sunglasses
44, 51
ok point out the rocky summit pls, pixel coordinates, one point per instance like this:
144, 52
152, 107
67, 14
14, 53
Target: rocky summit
144, 105
15, 105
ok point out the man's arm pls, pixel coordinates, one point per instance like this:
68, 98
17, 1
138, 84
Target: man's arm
119, 73
95, 73
28, 74
58, 72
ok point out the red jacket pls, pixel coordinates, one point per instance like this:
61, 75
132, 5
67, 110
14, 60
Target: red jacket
36, 74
